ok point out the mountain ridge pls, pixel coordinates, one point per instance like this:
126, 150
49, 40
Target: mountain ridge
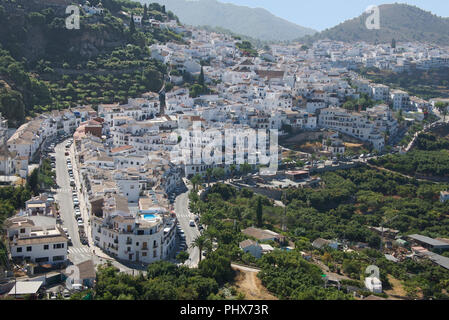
402, 22
257, 23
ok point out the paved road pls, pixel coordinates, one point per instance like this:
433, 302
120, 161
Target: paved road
184, 216
77, 252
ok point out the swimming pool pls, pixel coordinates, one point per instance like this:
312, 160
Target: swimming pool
149, 216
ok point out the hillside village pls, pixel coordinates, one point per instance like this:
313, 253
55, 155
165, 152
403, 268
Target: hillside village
121, 192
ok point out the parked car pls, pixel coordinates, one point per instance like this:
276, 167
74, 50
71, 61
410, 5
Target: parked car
192, 223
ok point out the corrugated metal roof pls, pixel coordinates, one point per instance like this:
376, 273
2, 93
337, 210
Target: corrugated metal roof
429, 241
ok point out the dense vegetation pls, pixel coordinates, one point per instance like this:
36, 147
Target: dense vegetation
19, 90
289, 276
425, 84
166, 281
430, 157
355, 199
343, 208
163, 281
42, 178
124, 73
45, 66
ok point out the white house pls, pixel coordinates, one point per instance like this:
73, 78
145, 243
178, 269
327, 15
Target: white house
36, 239
400, 99
380, 92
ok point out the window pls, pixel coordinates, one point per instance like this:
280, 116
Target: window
43, 259
46, 246
22, 230
58, 258
58, 246
19, 249
29, 249
154, 254
144, 254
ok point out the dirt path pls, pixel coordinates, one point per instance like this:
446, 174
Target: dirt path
397, 287
248, 283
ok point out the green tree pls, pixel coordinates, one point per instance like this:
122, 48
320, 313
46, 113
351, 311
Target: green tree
196, 180
245, 168
132, 26
200, 242
233, 169
145, 13
218, 173
201, 78
209, 173
259, 212
183, 256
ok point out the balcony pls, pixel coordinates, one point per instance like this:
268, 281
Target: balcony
129, 241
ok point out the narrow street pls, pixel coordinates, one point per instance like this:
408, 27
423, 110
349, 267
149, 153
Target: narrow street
184, 216
78, 252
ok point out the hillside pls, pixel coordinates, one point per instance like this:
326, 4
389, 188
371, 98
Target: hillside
45, 66
253, 22
426, 84
397, 21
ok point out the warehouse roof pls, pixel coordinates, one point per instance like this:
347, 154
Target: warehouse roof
429, 241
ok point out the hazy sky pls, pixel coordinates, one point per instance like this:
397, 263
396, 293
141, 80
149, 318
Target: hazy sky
322, 14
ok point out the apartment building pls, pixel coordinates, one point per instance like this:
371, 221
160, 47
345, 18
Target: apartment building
37, 239
141, 237
354, 124
400, 100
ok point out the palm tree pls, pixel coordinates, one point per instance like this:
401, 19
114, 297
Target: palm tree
218, 173
200, 242
208, 175
196, 180
245, 168
233, 169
